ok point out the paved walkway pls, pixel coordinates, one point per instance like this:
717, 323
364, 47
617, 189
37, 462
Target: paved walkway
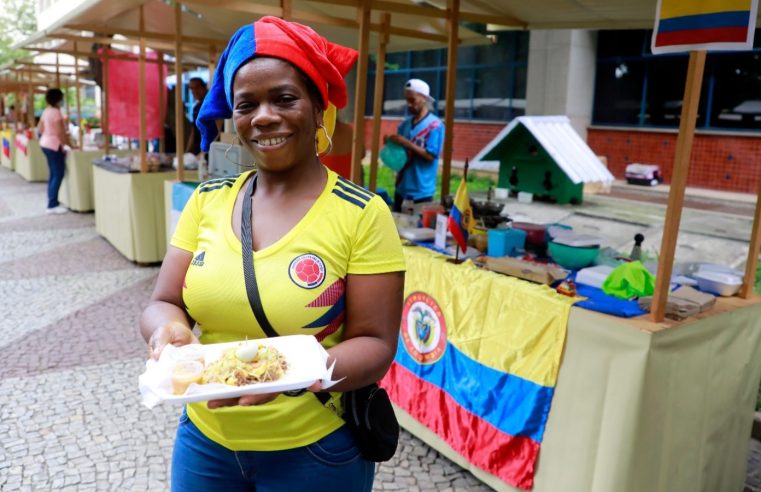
70, 418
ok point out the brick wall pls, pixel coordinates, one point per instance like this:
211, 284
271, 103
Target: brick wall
721, 162
469, 138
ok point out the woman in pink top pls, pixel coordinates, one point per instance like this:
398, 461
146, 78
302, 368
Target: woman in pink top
53, 137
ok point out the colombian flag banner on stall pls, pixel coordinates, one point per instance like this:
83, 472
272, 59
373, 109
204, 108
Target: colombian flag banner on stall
460, 215
477, 361
686, 25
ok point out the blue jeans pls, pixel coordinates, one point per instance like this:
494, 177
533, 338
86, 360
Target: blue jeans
331, 464
57, 166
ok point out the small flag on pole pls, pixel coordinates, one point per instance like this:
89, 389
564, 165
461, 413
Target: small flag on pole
461, 215
688, 25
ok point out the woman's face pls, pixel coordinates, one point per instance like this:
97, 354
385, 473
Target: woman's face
274, 114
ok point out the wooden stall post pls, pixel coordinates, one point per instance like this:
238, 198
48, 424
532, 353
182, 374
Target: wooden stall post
77, 101
678, 183
287, 7
380, 64
66, 96
104, 105
179, 114
141, 97
162, 108
358, 147
30, 100
57, 72
212, 62
753, 248
17, 101
453, 19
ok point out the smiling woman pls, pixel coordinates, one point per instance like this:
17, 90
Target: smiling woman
321, 257
276, 119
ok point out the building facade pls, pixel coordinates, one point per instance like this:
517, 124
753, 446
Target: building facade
623, 100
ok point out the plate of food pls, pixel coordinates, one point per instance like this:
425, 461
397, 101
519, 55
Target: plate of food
196, 372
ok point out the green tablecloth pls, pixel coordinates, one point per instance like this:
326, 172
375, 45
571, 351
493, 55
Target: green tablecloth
638, 410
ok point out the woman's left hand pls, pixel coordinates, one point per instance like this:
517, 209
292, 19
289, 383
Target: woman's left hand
250, 400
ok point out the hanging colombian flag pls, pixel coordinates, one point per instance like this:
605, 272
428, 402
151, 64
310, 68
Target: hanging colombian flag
686, 25
477, 362
6, 148
461, 216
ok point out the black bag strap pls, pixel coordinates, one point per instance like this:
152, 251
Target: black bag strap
247, 245
252, 289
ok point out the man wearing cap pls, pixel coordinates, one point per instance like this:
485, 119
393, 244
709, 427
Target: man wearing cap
421, 134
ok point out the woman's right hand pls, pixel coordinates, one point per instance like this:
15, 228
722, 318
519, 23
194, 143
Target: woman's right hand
173, 332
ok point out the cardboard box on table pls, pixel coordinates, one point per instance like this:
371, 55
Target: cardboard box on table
7, 139
30, 162
77, 187
129, 210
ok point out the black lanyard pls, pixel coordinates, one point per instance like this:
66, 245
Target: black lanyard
247, 245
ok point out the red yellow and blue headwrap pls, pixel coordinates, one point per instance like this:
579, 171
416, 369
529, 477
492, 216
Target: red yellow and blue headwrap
325, 63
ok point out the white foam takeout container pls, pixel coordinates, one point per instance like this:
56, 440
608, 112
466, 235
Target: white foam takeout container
417, 234
720, 283
593, 276
306, 358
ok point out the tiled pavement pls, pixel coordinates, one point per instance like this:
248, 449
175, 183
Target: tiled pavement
70, 418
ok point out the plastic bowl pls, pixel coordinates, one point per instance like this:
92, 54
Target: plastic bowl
573, 257
393, 156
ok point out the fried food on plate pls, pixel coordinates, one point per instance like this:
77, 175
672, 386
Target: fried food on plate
246, 364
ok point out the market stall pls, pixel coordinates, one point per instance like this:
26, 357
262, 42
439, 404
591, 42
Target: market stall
129, 209
616, 408
626, 415
8, 155
77, 186
30, 162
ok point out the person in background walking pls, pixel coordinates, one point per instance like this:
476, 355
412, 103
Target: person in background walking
53, 138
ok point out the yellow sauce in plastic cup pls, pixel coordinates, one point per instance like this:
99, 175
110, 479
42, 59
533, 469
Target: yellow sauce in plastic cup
185, 372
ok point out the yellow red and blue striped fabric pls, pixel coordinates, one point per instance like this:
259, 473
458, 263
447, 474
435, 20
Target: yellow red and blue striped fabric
478, 360
685, 25
460, 217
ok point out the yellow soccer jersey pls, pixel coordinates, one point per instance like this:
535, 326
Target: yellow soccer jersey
301, 280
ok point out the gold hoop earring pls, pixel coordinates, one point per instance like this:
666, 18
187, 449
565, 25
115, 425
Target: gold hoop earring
330, 142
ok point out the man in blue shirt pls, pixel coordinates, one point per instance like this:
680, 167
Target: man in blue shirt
421, 134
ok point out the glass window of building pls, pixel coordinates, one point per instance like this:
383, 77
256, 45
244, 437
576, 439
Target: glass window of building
491, 79
633, 87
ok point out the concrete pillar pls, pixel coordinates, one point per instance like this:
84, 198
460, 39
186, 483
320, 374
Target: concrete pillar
561, 75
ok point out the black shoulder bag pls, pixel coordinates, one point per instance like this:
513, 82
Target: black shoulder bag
367, 411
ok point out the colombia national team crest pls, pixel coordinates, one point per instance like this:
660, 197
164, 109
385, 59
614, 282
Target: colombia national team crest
424, 331
307, 271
